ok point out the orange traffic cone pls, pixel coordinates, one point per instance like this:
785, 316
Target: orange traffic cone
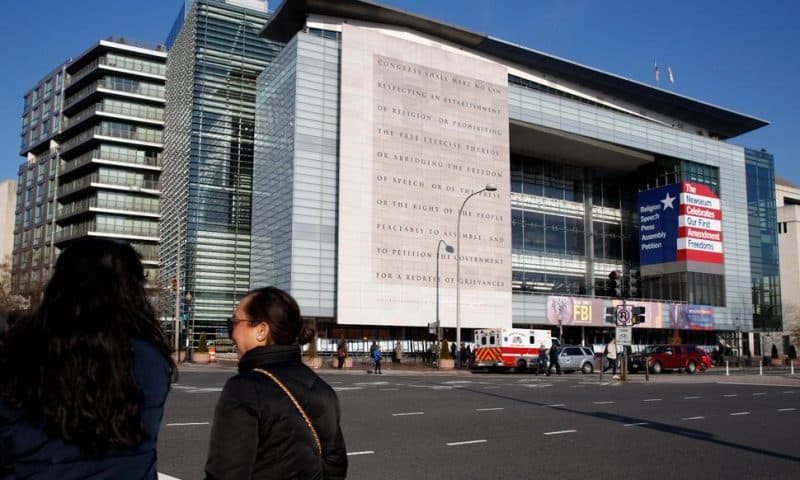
212, 354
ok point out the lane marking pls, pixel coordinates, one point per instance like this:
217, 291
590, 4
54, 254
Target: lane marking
559, 432
468, 442
635, 424
789, 391
603, 403
759, 393
164, 476
786, 409
490, 388
489, 409
692, 397
652, 399
342, 389
186, 424
758, 384
730, 395
407, 413
740, 413
556, 405
364, 452
693, 418
204, 390
388, 389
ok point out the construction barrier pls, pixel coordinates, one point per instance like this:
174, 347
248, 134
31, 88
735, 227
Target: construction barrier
212, 354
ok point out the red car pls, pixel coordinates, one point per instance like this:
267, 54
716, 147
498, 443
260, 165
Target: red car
690, 358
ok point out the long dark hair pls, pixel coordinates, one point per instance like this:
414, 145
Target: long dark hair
281, 312
69, 365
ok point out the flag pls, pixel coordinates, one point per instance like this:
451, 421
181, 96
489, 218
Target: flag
669, 74
657, 75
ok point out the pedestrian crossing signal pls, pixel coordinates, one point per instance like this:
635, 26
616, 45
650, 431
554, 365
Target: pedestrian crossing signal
611, 315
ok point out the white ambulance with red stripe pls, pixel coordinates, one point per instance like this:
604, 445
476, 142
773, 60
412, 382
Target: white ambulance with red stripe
504, 348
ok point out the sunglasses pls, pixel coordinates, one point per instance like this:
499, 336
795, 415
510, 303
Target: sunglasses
231, 322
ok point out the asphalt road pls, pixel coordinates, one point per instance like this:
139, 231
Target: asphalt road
524, 426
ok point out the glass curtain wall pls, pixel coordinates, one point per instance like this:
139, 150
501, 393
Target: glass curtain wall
211, 75
764, 267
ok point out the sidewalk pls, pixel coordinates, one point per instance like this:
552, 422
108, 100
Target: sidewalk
359, 368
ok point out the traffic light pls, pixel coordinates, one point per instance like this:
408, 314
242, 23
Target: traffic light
611, 315
638, 315
615, 283
635, 285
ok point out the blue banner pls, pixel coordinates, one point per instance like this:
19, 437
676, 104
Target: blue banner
658, 224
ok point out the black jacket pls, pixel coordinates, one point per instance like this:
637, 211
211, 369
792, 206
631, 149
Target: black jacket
258, 433
26, 451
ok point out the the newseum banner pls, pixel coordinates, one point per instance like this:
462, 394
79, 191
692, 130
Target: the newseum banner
680, 222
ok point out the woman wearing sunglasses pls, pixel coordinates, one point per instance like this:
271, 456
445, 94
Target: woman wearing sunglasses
276, 418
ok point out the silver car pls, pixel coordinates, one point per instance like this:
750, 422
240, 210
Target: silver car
576, 357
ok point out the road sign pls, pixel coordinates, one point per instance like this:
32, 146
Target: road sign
624, 336
624, 315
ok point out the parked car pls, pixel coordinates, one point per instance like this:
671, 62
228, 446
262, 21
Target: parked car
690, 358
576, 357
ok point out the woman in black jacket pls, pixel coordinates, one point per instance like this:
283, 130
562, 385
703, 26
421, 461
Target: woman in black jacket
259, 431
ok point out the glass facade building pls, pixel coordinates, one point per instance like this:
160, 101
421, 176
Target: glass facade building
583, 144
765, 269
110, 145
208, 158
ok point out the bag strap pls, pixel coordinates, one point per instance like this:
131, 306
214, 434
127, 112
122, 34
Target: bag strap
296, 405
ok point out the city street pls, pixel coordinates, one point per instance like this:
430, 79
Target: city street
464, 426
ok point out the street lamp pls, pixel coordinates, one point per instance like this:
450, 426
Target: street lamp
189, 331
448, 249
490, 187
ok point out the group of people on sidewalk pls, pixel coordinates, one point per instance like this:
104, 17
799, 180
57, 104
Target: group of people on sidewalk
87, 374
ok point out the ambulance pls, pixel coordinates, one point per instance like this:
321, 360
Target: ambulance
506, 348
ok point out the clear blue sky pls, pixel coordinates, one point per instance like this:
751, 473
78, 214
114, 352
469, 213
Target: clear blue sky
736, 54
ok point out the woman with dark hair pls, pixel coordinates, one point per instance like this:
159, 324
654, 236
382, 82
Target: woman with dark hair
86, 376
276, 418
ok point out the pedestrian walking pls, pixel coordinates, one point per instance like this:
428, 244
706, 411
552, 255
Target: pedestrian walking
375, 353
554, 351
85, 377
541, 360
453, 351
468, 354
398, 352
276, 418
611, 356
341, 353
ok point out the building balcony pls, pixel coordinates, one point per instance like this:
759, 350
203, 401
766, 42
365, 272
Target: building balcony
135, 113
91, 228
96, 180
107, 132
143, 91
95, 156
128, 206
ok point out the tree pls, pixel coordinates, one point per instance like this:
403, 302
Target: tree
10, 302
791, 322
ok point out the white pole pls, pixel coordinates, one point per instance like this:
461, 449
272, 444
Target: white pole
727, 370
761, 367
791, 363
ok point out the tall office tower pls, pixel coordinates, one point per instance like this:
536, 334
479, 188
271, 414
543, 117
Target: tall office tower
215, 56
35, 205
110, 142
8, 203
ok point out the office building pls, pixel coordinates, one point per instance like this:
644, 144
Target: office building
787, 200
36, 184
374, 126
94, 170
8, 204
214, 59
